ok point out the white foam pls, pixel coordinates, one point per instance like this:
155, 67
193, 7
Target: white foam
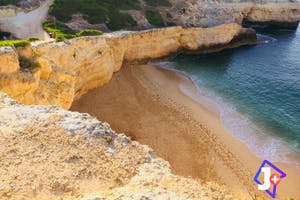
263, 143
265, 38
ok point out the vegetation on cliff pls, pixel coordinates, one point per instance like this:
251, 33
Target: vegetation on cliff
17, 43
59, 60
154, 18
88, 33
14, 43
28, 64
158, 3
60, 31
113, 13
8, 2
96, 12
4, 35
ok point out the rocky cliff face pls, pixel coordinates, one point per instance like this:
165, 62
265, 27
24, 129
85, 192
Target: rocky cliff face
50, 153
208, 13
69, 69
203, 13
24, 20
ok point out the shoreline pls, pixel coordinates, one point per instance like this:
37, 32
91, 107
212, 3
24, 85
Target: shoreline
180, 130
86, 63
284, 153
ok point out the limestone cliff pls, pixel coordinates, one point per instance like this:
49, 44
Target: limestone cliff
192, 13
50, 153
25, 20
286, 15
69, 69
208, 13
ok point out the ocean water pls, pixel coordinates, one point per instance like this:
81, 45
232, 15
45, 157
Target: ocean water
257, 90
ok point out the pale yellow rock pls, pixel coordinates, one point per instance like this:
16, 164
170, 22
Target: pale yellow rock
205, 13
154, 44
26, 51
70, 69
9, 60
46, 68
284, 13
51, 153
194, 38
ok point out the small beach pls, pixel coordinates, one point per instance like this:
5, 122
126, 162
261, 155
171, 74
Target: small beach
148, 104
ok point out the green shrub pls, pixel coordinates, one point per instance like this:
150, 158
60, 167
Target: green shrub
58, 31
61, 32
97, 11
171, 24
154, 18
60, 38
28, 64
4, 34
120, 21
156, 3
33, 39
14, 43
126, 4
8, 2
89, 33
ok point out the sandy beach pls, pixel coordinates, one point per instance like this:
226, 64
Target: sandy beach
145, 102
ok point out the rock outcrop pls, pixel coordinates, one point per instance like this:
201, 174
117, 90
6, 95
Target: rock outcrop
9, 60
50, 153
69, 69
203, 13
209, 13
24, 20
282, 15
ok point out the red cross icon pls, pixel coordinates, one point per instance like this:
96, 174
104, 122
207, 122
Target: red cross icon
274, 179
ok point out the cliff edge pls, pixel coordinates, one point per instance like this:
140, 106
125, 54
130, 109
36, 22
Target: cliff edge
25, 20
50, 153
66, 70
285, 14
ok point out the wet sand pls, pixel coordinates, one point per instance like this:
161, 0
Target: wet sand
145, 102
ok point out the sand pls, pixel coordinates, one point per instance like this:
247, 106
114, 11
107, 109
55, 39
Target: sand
145, 102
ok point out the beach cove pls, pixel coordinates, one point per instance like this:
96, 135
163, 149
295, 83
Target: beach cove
103, 76
149, 99
181, 130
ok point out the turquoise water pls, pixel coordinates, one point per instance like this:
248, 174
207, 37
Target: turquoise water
257, 88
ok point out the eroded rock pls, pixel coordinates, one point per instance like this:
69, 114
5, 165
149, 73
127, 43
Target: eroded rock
70, 69
50, 153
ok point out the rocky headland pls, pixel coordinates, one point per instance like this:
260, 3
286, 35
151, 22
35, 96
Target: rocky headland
50, 153
210, 13
191, 13
69, 69
76, 150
